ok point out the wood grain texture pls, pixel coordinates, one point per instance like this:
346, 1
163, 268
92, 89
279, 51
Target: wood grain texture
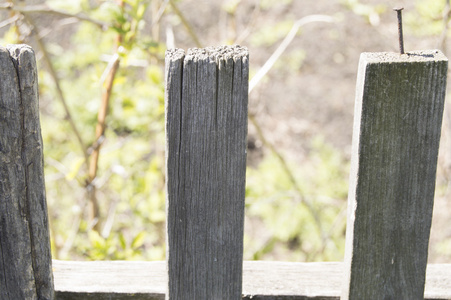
262, 280
206, 131
397, 123
25, 261
109, 280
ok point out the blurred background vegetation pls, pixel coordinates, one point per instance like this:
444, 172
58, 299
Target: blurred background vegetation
101, 73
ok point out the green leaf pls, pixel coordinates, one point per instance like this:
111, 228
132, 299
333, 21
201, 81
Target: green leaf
122, 241
96, 240
141, 10
138, 241
75, 168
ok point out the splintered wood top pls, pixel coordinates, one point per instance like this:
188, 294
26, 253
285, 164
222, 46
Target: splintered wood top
411, 56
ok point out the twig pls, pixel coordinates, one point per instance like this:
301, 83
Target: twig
247, 31
45, 9
283, 46
101, 117
63, 22
443, 46
60, 94
328, 236
188, 27
286, 169
100, 131
444, 34
9, 21
73, 232
111, 65
255, 80
110, 219
160, 13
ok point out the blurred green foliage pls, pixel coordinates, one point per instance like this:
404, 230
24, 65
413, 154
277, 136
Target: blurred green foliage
427, 19
369, 11
280, 217
269, 34
280, 212
130, 181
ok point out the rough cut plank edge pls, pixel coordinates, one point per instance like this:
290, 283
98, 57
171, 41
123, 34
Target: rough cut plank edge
262, 280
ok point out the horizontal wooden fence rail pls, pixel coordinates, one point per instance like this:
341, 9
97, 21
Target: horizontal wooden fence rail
398, 114
262, 280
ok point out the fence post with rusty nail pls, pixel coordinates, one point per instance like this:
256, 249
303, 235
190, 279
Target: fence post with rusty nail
397, 123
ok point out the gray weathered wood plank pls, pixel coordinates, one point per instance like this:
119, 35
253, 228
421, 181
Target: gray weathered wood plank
206, 132
25, 264
264, 280
397, 123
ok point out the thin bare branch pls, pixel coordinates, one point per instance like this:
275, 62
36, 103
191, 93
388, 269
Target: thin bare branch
283, 46
187, 25
247, 31
255, 80
160, 12
9, 21
6, 5
45, 9
111, 64
71, 235
446, 19
59, 91
313, 211
101, 117
112, 69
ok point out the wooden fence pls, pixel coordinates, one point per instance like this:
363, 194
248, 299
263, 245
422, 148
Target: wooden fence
398, 114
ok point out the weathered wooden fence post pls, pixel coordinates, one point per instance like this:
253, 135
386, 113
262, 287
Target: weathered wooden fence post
206, 133
397, 123
25, 263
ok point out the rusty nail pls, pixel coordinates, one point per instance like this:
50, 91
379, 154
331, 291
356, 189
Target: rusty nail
401, 39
